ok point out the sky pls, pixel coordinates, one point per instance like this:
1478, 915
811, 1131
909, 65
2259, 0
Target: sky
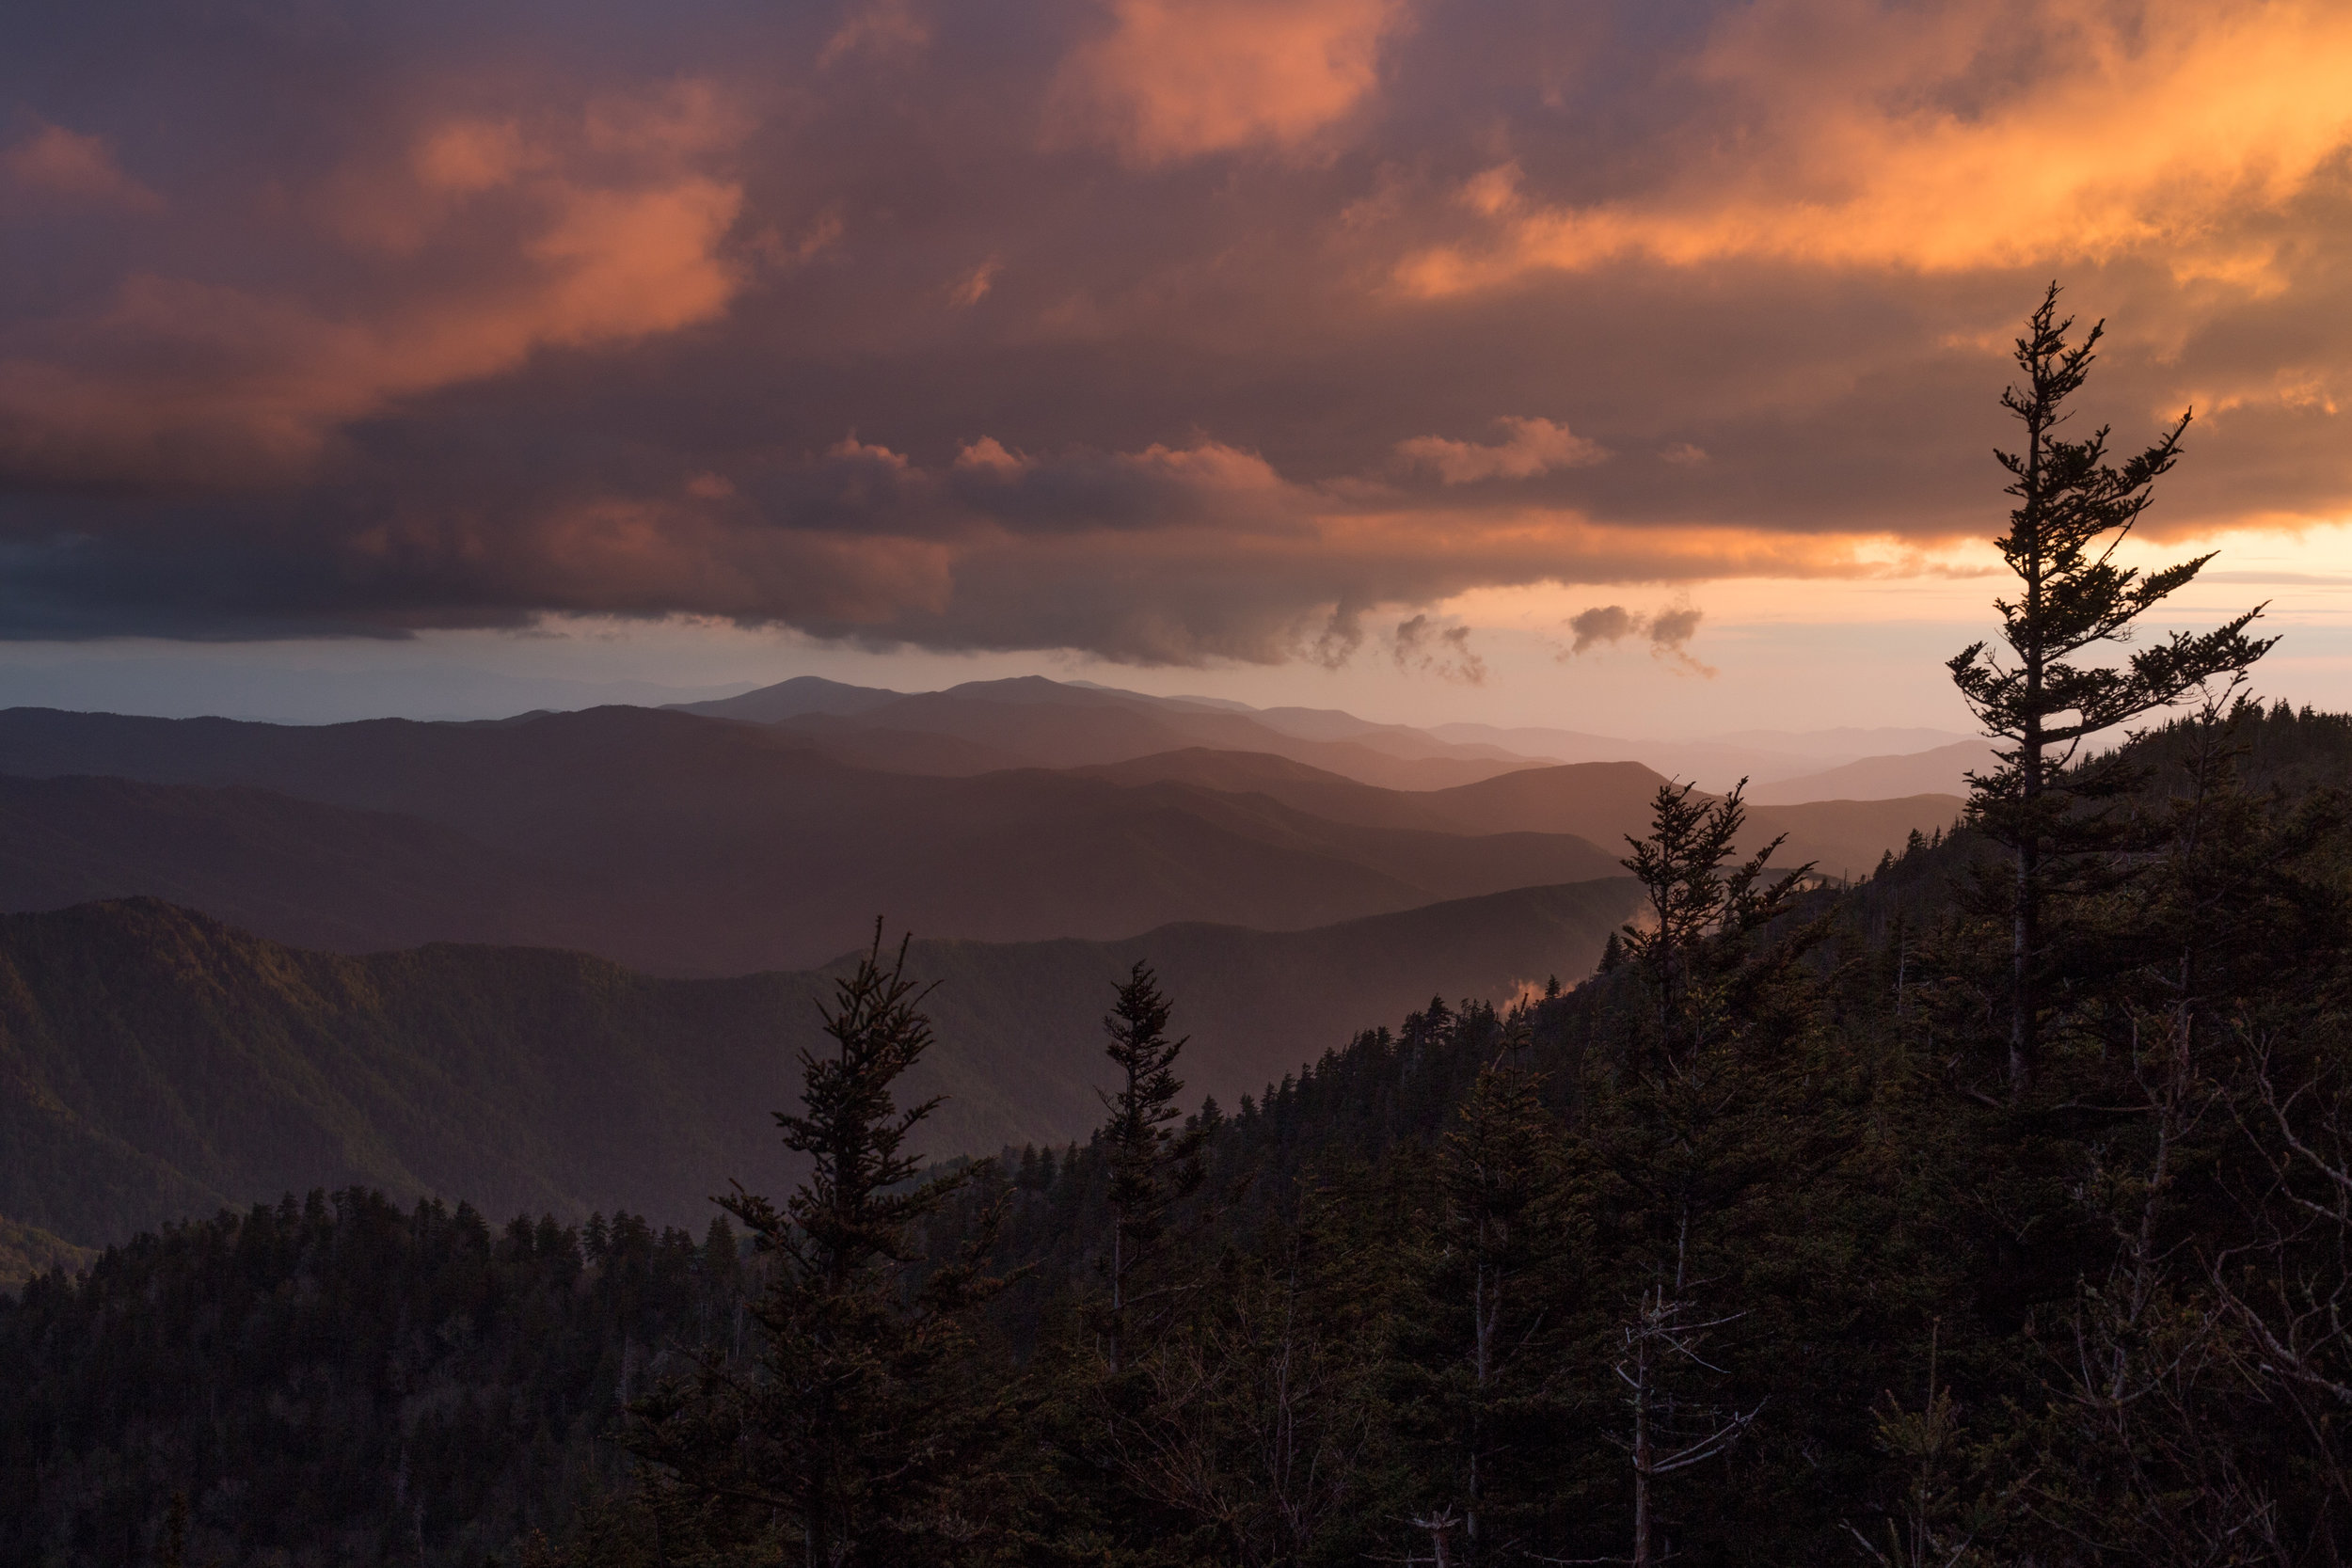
1628, 366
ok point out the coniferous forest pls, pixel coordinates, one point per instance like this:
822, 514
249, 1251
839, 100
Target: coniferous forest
1992, 1209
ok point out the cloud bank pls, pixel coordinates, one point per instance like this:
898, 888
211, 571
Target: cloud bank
1168, 330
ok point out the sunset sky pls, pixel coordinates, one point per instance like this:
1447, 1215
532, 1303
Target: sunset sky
1627, 366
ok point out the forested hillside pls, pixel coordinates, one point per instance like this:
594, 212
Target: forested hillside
155, 1063
1745, 1248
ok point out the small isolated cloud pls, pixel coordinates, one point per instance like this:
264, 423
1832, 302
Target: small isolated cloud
1340, 636
991, 456
1669, 632
851, 449
1180, 78
1421, 645
779, 250
1682, 454
881, 27
59, 162
1532, 447
1602, 624
972, 287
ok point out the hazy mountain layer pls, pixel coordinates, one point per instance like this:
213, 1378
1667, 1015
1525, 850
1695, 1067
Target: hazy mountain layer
685, 844
1943, 770
843, 714
155, 1063
1029, 720
691, 846
1601, 803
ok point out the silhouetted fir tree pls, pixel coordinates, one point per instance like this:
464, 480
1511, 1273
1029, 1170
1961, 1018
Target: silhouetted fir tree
1429, 1026
1706, 910
1154, 1164
2074, 508
1690, 1127
853, 1423
1478, 1354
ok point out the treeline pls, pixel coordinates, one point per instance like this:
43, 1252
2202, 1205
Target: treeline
1750, 1248
1741, 1250
340, 1381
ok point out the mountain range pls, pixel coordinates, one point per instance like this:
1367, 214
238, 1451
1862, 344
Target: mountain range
873, 723
695, 844
564, 961
155, 1062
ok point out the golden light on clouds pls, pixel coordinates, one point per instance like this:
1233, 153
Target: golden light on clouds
512, 239
1162, 330
1868, 137
1530, 447
1181, 78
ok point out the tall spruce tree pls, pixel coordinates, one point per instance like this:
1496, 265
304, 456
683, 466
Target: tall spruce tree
1485, 1339
1705, 909
1152, 1165
853, 1424
2074, 509
1697, 1121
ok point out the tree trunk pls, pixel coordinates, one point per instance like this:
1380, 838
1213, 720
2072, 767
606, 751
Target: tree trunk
1640, 1483
1641, 1455
1118, 1293
2026, 940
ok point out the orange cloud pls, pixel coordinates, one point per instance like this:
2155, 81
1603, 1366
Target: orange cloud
466, 156
1209, 466
1534, 447
1179, 78
516, 241
1877, 135
974, 286
61, 162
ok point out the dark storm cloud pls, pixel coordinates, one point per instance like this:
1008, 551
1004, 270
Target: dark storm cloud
1168, 329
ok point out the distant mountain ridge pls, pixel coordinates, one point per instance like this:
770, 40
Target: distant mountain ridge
155, 1062
1029, 720
1943, 769
1602, 802
846, 721
694, 845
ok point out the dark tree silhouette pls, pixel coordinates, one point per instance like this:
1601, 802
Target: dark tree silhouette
851, 1424
1498, 1234
1702, 911
2074, 509
1151, 1163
